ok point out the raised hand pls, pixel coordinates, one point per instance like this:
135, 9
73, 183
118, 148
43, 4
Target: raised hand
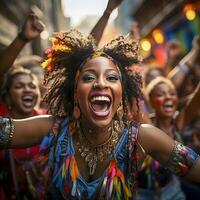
112, 4
98, 29
32, 27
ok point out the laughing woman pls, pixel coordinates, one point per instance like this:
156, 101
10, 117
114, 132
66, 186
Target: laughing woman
154, 180
94, 151
18, 98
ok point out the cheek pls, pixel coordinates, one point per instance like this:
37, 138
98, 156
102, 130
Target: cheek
14, 97
37, 93
157, 102
82, 96
175, 101
118, 94
14, 93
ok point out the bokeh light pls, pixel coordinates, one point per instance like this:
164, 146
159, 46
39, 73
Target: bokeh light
145, 44
190, 14
44, 35
158, 36
189, 11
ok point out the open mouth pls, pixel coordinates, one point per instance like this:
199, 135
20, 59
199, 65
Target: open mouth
168, 106
28, 101
100, 105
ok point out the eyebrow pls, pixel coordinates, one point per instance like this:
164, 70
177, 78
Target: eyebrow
94, 71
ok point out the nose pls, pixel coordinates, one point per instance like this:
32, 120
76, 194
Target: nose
100, 83
168, 95
27, 88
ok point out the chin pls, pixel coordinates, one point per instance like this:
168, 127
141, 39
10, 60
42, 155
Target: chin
28, 112
101, 123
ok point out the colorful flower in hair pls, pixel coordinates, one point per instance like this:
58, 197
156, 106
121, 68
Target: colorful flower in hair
57, 46
47, 64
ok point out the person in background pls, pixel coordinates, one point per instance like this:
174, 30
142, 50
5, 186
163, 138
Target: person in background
21, 176
99, 27
187, 67
173, 55
154, 180
33, 63
31, 29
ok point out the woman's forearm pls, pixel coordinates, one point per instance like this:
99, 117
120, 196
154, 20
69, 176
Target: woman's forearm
24, 132
9, 55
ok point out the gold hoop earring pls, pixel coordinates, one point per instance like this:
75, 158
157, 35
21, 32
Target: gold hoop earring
120, 111
74, 124
76, 112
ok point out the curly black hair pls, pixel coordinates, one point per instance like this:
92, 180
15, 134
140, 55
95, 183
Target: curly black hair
70, 50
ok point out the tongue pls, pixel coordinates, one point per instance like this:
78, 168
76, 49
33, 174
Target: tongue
99, 107
28, 103
168, 109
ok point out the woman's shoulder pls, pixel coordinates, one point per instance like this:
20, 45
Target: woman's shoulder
149, 131
153, 138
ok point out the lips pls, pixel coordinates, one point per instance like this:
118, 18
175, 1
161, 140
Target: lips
100, 105
169, 106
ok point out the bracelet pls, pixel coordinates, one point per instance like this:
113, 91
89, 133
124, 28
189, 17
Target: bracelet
6, 132
23, 37
11, 132
182, 159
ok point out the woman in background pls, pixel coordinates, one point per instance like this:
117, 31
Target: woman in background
155, 181
21, 176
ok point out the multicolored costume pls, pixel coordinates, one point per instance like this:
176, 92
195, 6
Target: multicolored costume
21, 175
155, 180
119, 179
67, 180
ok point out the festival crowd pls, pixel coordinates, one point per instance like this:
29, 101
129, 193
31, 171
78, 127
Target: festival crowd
91, 122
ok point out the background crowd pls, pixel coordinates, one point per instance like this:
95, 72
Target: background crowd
169, 91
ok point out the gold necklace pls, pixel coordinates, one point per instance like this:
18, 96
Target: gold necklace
93, 154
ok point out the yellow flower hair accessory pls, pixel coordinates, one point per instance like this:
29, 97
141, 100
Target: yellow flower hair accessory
58, 46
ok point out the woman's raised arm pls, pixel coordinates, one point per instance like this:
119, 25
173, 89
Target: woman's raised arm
24, 132
99, 27
180, 159
31, 29
178, 74
191, 109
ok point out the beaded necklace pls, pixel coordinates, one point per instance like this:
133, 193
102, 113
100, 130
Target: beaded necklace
115, 184
93, 154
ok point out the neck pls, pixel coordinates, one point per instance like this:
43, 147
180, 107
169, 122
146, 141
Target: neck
18, 115
96, 135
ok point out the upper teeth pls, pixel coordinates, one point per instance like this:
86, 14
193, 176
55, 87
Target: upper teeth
100, 98
169, 104
28, 97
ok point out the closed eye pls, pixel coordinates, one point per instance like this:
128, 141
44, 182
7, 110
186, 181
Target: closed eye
172, 93
19, 86
159, 95
32, 86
